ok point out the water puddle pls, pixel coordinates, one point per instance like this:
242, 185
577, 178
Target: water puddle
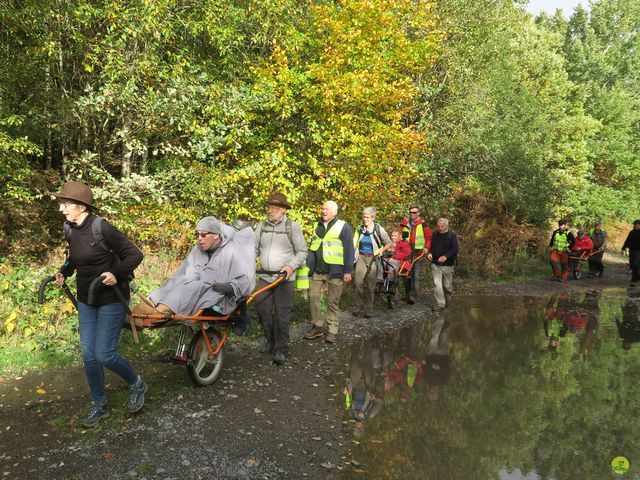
499, 388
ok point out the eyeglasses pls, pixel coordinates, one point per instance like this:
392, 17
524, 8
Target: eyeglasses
67, 206
202, 234
414, 212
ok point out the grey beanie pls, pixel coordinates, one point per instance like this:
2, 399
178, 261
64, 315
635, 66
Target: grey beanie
209, 224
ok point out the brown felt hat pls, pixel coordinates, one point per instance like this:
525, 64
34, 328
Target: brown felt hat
279, 200
76, 192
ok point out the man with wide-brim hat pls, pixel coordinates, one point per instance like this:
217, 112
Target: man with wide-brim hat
278, 200
280, 247
75, 192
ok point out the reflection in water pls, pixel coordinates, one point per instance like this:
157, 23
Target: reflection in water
580, 316
629, 324
472, 395
438, 360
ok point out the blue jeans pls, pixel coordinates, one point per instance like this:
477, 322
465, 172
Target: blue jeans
99, 333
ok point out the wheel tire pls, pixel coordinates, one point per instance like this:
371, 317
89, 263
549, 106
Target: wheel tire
202, 370
577, 273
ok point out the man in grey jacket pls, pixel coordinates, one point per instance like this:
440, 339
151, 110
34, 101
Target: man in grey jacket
280, 247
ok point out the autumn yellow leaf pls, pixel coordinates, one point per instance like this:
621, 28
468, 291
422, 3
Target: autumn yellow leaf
41, 391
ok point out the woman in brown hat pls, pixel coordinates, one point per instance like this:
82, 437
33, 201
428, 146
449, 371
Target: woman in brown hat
112, 255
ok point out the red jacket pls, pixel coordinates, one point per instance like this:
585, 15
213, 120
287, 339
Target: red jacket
404, 224
584, 243
403, 251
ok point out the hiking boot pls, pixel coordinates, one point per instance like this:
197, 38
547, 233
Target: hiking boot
331, 338
97, 411
136, 395
437, 309
266, 347
279, 358
314, 332
368, 315
357, 313
411, 300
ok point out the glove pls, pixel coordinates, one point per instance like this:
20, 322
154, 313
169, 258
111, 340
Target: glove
224, 288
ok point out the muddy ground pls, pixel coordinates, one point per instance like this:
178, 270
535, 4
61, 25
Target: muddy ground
257, 421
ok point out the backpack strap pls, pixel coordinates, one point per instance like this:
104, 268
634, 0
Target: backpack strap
96, 229
289, 231
376, 234
67, 231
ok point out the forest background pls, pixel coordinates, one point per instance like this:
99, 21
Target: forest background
172, 110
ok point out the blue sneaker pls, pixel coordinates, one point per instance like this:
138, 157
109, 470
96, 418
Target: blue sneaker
136, 395
97, 411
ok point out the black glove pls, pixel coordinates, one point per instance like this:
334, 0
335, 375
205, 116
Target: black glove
224, 288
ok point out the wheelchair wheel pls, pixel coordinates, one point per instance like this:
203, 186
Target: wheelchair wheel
577, 272
202, 369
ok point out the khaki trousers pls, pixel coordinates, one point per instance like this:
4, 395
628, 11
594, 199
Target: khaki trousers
365, 277
442, 284
334, 293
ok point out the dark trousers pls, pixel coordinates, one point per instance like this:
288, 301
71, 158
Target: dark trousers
596, 267
634, 263
412, 284
274, 309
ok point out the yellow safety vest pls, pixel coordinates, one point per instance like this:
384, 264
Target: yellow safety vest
302, 278
420, 241
412, 371
332, 248
560, 241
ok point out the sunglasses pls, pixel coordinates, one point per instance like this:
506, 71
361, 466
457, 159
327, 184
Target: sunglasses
414, 213
202, 234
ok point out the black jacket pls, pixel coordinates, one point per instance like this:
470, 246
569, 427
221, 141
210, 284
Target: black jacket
89, 260
633, 240
446, 244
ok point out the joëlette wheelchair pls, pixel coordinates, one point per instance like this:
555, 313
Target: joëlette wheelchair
202, 335
391, 276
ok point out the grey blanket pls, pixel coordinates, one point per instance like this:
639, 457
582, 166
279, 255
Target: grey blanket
233, 261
